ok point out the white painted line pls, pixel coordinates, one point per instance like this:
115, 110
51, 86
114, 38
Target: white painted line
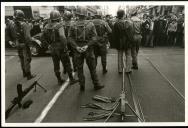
51, 103
11, 57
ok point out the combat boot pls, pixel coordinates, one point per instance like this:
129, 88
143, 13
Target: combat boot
24, 74
64, 71
82, 88
59, 79
72, 80
75, 69
105, 70
98, 86
135, 66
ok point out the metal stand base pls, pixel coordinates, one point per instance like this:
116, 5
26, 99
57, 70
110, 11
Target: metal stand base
122, 100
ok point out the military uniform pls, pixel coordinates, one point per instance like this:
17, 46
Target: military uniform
19, 33
102, 29
83, 34
67, 25
137, 37
55, 36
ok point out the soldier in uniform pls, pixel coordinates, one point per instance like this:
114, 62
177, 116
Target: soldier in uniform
82, 36
19, 34
122, 32
67, 23
100, 49
54, 34
137, 37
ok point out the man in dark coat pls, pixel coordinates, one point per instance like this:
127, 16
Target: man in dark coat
123, 42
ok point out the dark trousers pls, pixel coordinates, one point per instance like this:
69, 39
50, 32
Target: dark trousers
149, 39
101, 51
74, 63
24, 54
171, 38
59, 55
159, 39
71, 54
90, 61
135, 48
180, 39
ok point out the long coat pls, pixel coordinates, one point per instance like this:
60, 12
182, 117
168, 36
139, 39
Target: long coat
122, 32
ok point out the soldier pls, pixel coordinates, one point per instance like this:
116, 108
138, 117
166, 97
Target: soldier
19, 34
54, 34
137, 37
67, 23
100, 49
82, 36
122, 36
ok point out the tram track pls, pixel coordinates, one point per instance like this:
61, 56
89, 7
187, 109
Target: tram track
165, 78
136, 101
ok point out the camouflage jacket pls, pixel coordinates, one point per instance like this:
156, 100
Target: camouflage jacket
60, 42
82, 33
19, 32
102, 29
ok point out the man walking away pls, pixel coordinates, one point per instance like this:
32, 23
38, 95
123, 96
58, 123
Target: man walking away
123, 44
103, 30
55, 36
82, 36
20, 34
137, 37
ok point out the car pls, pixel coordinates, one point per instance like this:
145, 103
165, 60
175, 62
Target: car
38, 46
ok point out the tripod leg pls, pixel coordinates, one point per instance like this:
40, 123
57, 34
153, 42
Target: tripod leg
135, 112
35, 88
41, 87
112, 112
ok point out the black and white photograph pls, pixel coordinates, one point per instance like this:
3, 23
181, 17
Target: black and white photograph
93, 63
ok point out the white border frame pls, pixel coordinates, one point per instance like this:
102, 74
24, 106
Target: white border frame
3, 4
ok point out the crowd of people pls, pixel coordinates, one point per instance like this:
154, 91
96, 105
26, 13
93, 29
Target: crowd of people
85, 38
163, 30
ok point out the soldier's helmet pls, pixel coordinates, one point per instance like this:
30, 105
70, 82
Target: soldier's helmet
55, 15
120, 13
81, 11
67, 15
19, 14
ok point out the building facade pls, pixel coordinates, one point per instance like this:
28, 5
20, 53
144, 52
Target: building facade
155, 10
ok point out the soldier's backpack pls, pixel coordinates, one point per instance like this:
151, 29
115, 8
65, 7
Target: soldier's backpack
19, 31
66, 28
136, 30
52, 33
100, 28
81, 32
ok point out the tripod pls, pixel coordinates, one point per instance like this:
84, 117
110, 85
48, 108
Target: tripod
123, 102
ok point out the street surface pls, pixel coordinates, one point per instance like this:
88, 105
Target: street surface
160, 102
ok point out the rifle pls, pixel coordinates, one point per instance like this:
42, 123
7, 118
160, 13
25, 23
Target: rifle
21, 94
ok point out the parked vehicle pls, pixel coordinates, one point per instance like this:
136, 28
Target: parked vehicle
38, 46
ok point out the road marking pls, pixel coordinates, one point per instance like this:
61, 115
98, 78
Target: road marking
11, 57
52, 102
